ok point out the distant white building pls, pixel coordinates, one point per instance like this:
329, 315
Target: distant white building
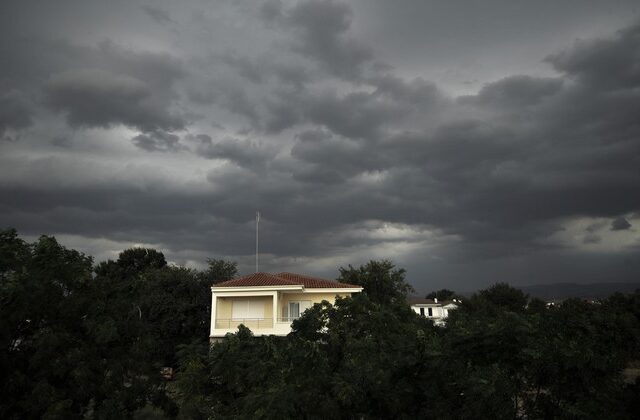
432, 308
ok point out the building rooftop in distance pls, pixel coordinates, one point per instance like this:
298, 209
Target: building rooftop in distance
423, 301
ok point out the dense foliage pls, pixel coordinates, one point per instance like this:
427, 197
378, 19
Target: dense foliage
85, 341
382, 281
443, 294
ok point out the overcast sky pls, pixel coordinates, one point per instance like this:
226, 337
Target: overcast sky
469, 141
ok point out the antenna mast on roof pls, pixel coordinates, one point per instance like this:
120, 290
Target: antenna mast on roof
257, 223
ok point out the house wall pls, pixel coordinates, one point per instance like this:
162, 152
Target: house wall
438, 311
224, 308
222, 322
285, 298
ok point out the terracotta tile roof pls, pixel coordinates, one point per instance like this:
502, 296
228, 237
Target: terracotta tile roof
283, 279
256, 279
310, 282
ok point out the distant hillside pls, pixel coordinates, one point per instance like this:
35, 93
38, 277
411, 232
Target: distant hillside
569, 290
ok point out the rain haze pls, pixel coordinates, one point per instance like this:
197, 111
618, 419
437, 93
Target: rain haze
469, 142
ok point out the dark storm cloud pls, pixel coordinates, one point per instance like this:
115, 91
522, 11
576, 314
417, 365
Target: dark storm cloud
159, 70
333, 159
356, 115
15, 112
607, 64
232, 97
295, 75
157, 14
591, 239
271, 10
417, 92
176, 219
244, 153
537, 158
321, 29
110, 85
31, 60
283, 111
61, 141
360, 114
247, 68
594, 227
96, 98
620, 223
98, 85
515, 91
158, 141
285, 108
325, 155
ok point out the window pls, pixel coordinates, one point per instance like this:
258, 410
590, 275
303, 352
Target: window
294, 309
430, 312
422, 311
247, 309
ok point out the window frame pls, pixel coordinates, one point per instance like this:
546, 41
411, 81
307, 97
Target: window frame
258, 307
303, 305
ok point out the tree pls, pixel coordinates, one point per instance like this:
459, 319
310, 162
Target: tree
127, 348
381, 281
193, 388
578, 352
137, 260
537, 305
77, 344
363, 359
14, 252
505, 296
377, 356
352, 359
443, 294
220, 270
174, 306
44, 299
488, 344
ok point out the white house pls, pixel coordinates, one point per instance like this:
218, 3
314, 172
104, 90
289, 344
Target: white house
268, 303
432, 308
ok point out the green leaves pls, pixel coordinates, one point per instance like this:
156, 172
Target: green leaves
359, 358
382, 282
77, 344
80, 344
43, 291
219, 270
504, 296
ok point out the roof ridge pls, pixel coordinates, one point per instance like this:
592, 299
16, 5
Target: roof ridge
258, 273
304, 275
284, 279
320, 279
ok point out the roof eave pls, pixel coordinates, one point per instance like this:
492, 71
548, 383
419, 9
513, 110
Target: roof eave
250, 288
333, 289
288, 287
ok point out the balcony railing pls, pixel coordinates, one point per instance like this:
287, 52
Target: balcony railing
288, 319
251, 323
